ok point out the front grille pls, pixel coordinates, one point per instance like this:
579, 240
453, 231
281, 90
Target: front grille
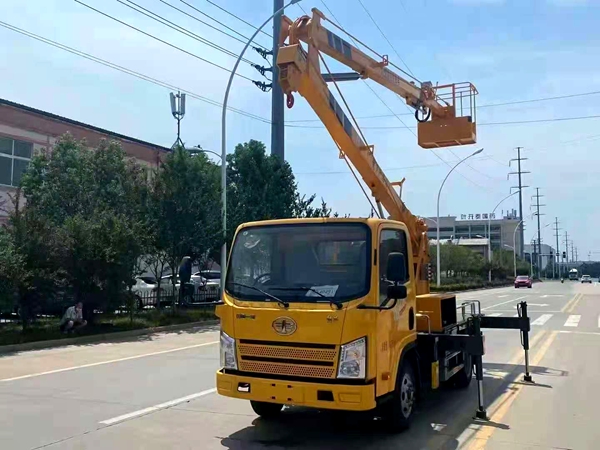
300, 360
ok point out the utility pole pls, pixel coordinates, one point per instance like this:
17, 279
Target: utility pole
519, 172
556, 229
539, 239
567, 251
572, 252
178, 111
576, 255
277, 110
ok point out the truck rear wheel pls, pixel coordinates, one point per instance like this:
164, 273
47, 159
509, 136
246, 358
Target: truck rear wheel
463, 378
266, 410
399, 409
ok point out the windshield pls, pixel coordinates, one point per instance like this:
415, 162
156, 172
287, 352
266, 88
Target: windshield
522, 277
307, 262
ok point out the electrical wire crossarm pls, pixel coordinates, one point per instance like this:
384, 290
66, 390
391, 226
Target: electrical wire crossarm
161, 40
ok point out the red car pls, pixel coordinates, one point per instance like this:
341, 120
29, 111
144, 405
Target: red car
523, 281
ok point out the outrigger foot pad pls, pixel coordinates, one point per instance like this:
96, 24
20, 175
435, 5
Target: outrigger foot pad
527, 378
481, 414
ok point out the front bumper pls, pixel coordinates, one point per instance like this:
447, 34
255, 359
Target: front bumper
314, 395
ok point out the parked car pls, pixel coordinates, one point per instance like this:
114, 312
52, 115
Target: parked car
190, 289
586, 279
145, 290
523, 281
208, 283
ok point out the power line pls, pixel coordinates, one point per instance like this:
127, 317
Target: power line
191, 16
384, 36
180, 29
517, 122
233, 15
129, 71
219, 22
162, 41
419, 166
490, 105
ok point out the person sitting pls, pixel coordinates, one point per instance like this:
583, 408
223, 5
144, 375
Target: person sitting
73, 319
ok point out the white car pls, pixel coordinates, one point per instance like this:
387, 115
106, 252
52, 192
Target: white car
207, 283
145, 290
586, 279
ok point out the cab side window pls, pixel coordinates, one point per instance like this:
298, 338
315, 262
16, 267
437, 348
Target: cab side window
390, 241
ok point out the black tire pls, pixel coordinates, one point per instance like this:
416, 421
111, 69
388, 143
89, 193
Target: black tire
463, 378
398, 411
528, 287
266, 410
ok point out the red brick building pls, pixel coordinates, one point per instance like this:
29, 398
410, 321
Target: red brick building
25, 131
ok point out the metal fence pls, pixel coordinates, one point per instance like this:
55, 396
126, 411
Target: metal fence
191, 297
186, 299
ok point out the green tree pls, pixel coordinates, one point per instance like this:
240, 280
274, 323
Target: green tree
184, 210
262, 187
89, 202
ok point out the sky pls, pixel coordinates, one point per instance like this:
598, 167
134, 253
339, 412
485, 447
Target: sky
511, 50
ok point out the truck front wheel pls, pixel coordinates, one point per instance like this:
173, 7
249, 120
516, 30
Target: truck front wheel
399, 409
266, 410
463, 378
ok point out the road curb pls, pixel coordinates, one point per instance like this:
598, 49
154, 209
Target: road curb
105, 337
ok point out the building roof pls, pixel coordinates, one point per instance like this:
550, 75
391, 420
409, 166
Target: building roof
81, 124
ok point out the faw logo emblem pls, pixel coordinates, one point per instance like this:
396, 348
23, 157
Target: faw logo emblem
284, 326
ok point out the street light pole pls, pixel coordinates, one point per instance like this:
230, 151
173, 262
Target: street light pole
490, 234
515, 246
438, 214
224, 141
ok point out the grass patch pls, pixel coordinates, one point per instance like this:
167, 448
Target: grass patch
48, 328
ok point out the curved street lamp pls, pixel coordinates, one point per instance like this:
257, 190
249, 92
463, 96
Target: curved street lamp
490, 234
224, 141
438, 214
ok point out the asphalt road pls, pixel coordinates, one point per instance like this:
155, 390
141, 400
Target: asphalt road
157, 392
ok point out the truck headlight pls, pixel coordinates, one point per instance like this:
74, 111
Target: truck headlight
227, 352
353, 359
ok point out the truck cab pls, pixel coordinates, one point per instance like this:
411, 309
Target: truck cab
323, 313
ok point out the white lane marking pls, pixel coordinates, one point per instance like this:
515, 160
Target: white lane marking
502, 296
504, 303
494, 315
537, 304
516, 315
594, 333
151, 409
128, 358
573, 320
598, 321
542, 319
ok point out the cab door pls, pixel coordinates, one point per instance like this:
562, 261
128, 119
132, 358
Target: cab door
393, 324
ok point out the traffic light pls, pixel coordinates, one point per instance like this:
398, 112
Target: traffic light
564, 255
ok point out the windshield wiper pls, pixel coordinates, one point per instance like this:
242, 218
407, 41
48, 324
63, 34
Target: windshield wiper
278, 300
307, 289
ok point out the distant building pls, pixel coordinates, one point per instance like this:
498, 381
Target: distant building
479, 245
24, 131
475, 226
546, 251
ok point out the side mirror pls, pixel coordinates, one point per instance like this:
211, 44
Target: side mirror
396, 292
396, 268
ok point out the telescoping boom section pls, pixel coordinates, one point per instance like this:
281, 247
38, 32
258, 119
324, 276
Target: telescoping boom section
301, 71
